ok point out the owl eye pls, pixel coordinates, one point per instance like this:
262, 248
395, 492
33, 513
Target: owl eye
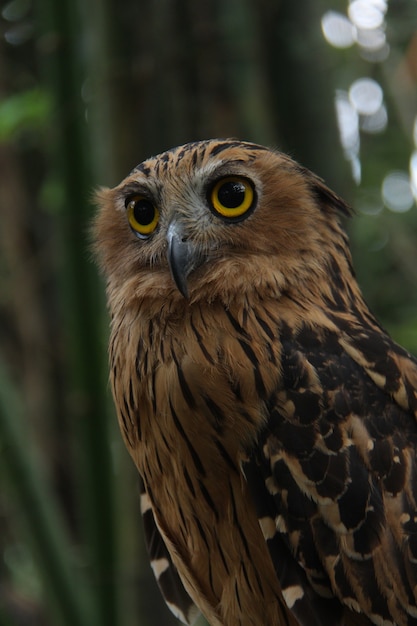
232, 197
143, 216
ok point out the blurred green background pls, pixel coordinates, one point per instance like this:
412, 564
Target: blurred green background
88, 89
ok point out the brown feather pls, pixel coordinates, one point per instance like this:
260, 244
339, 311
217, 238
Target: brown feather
273, 366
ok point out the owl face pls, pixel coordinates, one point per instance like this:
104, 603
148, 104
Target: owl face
213, 219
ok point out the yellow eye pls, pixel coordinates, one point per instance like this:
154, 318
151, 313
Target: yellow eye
143, 216
232, 197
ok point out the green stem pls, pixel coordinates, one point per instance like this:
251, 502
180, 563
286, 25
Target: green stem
65, 74
44, 526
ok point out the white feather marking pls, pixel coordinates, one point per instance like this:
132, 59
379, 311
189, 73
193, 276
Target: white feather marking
159, 566
281, 524
177, 612
268, 528
192, 615
292, 594
145, 503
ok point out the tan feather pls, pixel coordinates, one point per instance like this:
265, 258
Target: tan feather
271, 418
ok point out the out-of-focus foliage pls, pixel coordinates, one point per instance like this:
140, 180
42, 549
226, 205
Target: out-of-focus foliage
23, 111
376, 104
88, 90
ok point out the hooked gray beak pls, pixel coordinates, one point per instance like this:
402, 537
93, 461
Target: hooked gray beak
183, 257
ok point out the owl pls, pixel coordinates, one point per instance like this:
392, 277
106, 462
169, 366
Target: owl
271, 418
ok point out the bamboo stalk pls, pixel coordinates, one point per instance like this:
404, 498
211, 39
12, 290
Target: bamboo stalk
44, 527
82, 307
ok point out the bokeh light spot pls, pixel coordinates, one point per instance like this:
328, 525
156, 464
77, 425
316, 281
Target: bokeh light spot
371, 40
366, 96
337, 29
15, 10
19, 34
348, 122
375, 123
366, 15
413, 173
396, 192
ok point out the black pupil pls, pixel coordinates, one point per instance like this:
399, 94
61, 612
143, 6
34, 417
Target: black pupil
231, 194
144, 212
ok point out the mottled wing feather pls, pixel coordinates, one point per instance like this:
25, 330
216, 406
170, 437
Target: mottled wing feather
309, 608
333, 476
169, 582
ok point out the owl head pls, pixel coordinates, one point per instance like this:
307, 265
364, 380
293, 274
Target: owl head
217, 220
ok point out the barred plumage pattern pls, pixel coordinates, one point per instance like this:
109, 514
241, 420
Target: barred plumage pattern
271, 418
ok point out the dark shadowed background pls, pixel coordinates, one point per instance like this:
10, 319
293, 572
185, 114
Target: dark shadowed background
89, 89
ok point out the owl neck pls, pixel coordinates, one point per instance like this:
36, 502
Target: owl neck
301, 284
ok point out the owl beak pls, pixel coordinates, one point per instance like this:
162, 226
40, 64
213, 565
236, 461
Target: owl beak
183, 257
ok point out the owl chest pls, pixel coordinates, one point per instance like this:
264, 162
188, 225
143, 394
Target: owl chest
206, 518
182, 420
190, 395
174, 408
